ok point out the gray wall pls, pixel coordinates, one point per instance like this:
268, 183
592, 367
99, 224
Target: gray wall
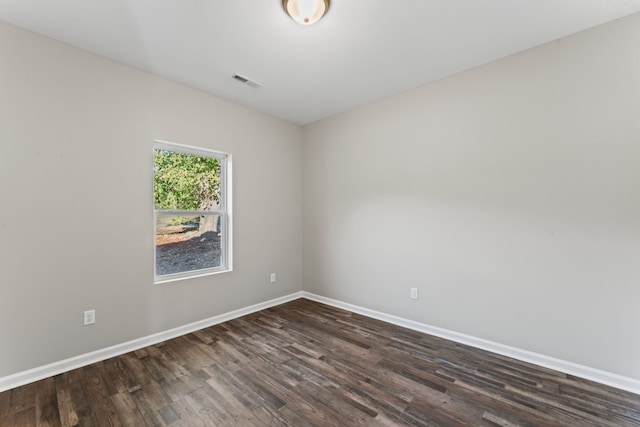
76, 213
508, 194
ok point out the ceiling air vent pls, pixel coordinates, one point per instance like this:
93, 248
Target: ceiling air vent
246, 80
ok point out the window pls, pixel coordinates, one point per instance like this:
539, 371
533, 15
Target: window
191, 210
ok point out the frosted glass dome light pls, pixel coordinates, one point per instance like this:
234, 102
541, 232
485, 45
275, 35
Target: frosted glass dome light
306, 12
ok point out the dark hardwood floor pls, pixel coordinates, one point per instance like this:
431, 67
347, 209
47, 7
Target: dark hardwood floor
307, 364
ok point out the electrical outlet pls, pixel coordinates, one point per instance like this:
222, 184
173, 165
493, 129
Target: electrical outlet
89, 317
273, 277
414, 293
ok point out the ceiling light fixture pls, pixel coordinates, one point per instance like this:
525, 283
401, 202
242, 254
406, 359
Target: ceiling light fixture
306, 12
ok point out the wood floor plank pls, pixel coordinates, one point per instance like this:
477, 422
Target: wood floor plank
128, 412
66, 406
306, 364
22, 399
46, 404
5, 405
26, 417
98, 396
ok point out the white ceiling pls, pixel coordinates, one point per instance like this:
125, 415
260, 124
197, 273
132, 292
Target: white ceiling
362, 50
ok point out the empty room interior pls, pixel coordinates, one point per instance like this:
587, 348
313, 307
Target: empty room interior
428, 212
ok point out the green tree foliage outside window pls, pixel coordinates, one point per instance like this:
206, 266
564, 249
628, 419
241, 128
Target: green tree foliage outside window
185, 181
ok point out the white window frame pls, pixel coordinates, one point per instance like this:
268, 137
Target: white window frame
224, 212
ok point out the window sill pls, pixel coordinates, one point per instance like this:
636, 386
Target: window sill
184, 276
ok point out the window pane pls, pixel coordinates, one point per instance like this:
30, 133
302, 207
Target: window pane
187, 243
183, 181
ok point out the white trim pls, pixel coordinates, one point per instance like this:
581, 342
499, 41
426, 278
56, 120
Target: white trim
603, 377
39, 373
189, 149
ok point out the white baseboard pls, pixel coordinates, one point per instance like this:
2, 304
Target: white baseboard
603, 377
39, 373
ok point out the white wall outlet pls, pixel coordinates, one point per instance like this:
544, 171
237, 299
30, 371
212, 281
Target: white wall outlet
414, 293
89, 317
273, 277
